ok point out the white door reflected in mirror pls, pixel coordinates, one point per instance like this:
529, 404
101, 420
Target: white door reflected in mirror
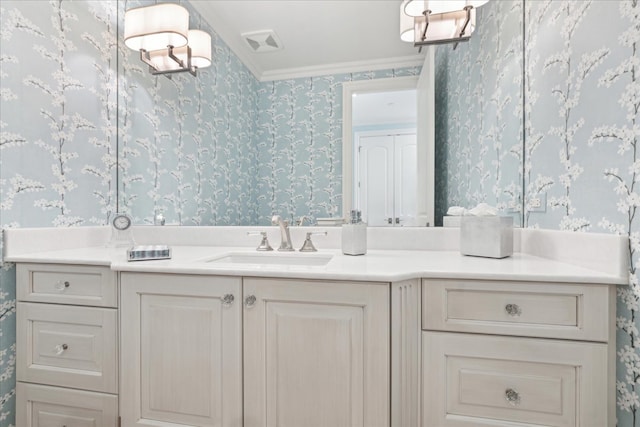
385, 162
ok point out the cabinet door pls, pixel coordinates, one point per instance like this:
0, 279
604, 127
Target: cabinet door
472, 380
316, 354
181, 350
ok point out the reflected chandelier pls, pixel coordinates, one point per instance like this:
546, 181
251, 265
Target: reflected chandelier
161, 33
428, 22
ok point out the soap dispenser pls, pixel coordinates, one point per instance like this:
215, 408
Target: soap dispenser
354, 235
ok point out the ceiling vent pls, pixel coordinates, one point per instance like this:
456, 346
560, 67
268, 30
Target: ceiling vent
262, 41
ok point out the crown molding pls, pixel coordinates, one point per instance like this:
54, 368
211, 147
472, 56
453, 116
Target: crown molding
342, 67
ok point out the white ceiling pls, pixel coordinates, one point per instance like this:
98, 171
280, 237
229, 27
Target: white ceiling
384, 108
319, 36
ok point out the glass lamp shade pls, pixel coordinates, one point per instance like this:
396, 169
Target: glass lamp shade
413, 7
156, 27
406, 24
200, 44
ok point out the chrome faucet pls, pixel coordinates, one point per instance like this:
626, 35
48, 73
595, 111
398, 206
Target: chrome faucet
285, 237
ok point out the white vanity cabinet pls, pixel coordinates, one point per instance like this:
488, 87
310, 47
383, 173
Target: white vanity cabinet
312, 353
518, 353
181, 354
67, 346
316, 353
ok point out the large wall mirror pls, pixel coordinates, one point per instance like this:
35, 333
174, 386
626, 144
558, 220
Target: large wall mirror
226, 149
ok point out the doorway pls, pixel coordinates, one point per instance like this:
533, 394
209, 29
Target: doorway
385, 165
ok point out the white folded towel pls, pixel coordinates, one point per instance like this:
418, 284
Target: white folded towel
456, 211
483, 209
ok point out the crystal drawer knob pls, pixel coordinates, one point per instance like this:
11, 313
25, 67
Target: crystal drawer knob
61, 348
513, 310
61, 286
227, 300
250, 301
512, 396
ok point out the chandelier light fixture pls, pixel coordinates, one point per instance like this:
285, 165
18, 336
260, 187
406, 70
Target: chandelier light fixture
429, 22
166, 44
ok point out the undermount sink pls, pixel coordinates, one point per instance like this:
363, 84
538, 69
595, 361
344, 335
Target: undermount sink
273, 258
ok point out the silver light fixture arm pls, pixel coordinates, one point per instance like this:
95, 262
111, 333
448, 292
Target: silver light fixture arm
145, 57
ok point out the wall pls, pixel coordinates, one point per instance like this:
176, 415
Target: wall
582, 98
299, 135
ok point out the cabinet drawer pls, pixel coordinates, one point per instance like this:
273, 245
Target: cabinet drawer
67, 346
495, 381
549, 310
44, 406
67, 284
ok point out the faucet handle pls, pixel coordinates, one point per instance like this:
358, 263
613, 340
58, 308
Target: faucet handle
264, 244
303, 218
307, 246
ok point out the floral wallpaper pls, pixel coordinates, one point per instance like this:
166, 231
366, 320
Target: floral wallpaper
226, 149
582, 134
186, 144
580, 127
479, 114
299, 138
57, 132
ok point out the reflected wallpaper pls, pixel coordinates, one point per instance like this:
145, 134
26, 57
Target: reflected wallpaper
479, 114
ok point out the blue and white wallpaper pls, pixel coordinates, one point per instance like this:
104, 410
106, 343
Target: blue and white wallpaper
580, 129
186, 144
57, 132
582, 136
299, 140
550, 112
479, 114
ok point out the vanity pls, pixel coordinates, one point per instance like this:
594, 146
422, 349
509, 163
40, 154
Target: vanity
411, 334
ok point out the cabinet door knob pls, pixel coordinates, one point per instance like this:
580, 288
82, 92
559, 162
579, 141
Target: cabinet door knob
513, 310
512, 396
227, 300
61, 286
61, 348
250, 301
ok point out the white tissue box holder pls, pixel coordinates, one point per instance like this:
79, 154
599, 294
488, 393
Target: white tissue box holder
486, 236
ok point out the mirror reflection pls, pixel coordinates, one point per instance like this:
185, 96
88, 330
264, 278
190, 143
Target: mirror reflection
384, 140
227, 149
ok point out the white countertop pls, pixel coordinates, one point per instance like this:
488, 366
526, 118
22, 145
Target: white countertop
376, 265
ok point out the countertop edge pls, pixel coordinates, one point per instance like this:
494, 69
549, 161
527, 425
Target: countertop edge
473, 265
